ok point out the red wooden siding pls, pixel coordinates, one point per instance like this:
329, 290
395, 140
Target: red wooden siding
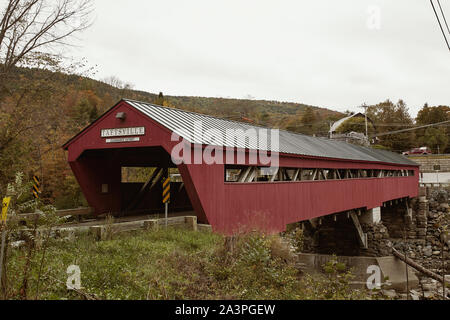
228, 206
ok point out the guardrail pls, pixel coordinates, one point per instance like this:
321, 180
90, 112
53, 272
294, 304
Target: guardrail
103, 230
79, 212
435, 184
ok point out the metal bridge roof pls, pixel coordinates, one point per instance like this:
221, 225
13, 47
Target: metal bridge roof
184, 123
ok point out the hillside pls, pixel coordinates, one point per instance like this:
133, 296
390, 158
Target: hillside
42, 109
268, 113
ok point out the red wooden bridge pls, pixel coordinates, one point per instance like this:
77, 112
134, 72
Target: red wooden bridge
313, 177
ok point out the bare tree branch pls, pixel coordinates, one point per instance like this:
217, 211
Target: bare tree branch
30, 25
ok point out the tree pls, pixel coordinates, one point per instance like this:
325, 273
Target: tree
29, 114
117, 83
30, 26
160, 99
429, 115
387, 117
307, 121
437, 138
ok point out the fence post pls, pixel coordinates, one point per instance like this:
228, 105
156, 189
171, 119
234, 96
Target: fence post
191, 222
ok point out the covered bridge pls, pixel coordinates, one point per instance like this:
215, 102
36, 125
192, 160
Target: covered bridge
306, 177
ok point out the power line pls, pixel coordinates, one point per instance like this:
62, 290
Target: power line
410, 129
439, 21
443, 15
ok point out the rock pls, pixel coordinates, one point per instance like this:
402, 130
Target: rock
414, 295
391, 294
403, 296
428, 252
428, 287
436, 253
428, 295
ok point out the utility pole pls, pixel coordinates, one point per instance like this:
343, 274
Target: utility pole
365, 115
331, 126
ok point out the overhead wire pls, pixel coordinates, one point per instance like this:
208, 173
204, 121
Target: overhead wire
440, 25
443, 15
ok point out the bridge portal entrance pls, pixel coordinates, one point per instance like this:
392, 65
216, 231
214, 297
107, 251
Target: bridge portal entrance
129, 181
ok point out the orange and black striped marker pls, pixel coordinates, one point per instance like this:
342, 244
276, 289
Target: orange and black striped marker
166, 190
36, 187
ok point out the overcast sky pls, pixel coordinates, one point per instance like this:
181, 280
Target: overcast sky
326, 53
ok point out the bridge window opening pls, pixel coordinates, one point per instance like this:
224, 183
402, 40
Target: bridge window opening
136, 174
232, 174
141, 174
247, 174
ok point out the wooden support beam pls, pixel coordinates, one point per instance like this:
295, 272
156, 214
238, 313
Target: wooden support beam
315, 174
281, 174
154, 177
296, 175
244, 173
252, 175
272, 179
314, 222
158, 178
362, 237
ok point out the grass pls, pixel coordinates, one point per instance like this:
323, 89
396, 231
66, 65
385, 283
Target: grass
171, 264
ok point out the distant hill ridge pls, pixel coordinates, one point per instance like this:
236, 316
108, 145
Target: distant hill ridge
269, 113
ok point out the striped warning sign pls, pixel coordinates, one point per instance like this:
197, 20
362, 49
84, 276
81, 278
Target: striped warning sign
36, 187
166, 190
5, 206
